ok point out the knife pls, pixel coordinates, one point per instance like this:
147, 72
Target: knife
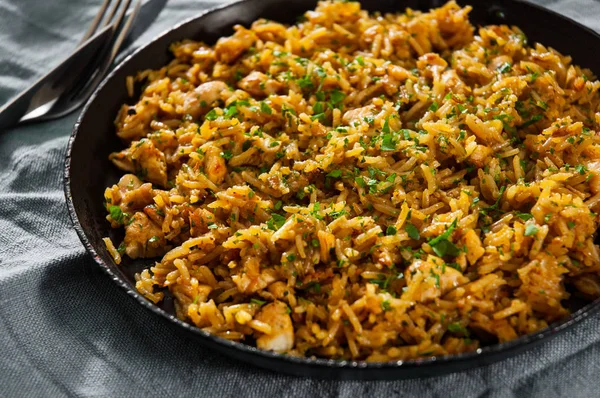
45, 91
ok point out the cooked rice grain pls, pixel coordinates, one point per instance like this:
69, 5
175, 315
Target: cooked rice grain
369, 187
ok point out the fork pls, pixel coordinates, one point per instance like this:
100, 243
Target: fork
71, 83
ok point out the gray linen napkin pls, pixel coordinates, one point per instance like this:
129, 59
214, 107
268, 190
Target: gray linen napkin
67, 330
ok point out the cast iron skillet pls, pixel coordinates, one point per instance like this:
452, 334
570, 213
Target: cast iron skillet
88, 171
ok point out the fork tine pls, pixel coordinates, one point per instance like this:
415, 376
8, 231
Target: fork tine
126, 27
82, 92
95, 22
112, 13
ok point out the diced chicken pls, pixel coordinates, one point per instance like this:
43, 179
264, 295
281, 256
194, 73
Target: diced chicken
430, 60
215, 166
390, 85
252, 278
164, 139
279, 290
129, 182
281, 339
541, 286
143, 238
451, 79
259, 84
488, 132
498, 61
133, 122
134, 195
397, 72
474, 247
138, 198
433, 281
203, 98
144, 159
595, 184
358, 114
479, 155
228, 49
153, 214
200, 219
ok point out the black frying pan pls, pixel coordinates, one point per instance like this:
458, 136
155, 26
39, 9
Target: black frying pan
88, 171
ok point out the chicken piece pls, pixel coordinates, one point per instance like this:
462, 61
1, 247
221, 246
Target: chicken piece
474, 247
200, 219
228, 49
143, 238
281, 339
358, 114
144, 159
428, 281
138, 198
542, 286
394, 79
251, 278
279, 290
431, 64
390, 85
317, 276
129, 182
130, 194
488, 132
134, 195
594, 182
480, 155
398, 73
203, 98
215, 166
154, 214
133, 122
258, 84
164, 139
497, 62
451, 79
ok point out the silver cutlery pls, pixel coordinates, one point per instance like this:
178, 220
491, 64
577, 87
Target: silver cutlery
69, 85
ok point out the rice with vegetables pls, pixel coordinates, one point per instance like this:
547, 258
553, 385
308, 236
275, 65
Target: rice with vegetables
363, 186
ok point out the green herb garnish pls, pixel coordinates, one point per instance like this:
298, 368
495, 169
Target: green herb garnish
412, 231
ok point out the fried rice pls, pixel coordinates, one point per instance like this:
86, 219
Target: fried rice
363, 186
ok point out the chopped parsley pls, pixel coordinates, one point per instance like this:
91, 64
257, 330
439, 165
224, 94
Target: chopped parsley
211, 115
335, 174
276, 221
388, 143
442, 246
412, 231
458, 328
524, 216
265, 108
336, 98
504, 68
226, 154
385, 305
531, 229
116, 214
